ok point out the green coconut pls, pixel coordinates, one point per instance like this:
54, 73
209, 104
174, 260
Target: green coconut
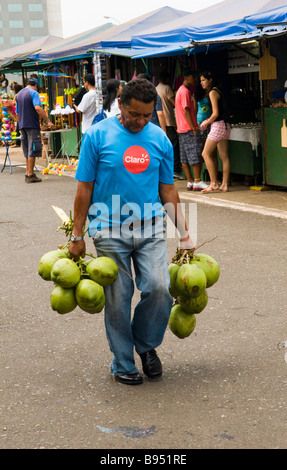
194, 304
209, 266
90, 296
102, 270
63, 300
66, 273
181, 323
47, 261
190, 280
173, 270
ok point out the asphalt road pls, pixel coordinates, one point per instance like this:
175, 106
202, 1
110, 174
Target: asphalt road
224, 387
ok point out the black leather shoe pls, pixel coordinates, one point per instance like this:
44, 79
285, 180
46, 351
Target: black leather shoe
151, 364
129, 379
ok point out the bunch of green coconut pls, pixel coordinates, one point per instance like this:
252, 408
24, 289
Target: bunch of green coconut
77, 283
190, 277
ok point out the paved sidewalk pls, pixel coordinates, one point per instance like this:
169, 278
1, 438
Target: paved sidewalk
224, 387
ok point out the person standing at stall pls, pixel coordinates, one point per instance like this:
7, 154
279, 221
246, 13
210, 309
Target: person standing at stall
218, 135
158, 117
189, 140
88, 105
16, 88
29, 111
167, 96
203, 112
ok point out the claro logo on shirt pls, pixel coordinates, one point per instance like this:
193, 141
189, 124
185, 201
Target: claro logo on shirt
136, 159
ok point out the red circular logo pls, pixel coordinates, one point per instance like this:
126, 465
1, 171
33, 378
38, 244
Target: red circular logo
136, 159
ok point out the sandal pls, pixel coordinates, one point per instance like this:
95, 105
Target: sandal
225, 190
209, 189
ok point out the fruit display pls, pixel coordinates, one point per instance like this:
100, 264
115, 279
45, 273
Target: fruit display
76, 283
6, 124
71, 91
61, 169
190, 276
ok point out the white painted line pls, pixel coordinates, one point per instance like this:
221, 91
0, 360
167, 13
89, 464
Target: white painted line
234, 205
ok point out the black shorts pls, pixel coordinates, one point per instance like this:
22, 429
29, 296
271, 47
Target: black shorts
31, 142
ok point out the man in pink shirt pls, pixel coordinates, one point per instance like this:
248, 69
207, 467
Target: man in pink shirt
190, 141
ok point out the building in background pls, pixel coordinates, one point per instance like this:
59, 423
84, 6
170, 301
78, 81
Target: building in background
22, 21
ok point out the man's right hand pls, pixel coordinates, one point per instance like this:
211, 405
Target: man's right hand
51, 125
77, 249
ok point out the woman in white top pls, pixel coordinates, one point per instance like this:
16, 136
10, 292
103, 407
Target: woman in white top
114, 89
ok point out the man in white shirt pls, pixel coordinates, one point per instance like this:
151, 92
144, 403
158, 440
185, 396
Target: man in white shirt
87, 105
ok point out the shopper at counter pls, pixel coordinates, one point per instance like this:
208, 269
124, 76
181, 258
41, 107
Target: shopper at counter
88, 106
29, 110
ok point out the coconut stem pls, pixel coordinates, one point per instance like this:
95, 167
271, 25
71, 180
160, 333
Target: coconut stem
187, 255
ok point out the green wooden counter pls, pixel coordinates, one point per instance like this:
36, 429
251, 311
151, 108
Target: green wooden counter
72, 143
65, 140
245, 152
275, 154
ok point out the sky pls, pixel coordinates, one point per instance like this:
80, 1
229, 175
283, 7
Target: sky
77, 17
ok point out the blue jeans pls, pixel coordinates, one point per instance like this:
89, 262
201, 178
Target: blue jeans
146, 329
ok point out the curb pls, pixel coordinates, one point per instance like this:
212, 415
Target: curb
235, 205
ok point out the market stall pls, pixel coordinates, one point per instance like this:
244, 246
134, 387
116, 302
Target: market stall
236, 47
172, 39
275, 115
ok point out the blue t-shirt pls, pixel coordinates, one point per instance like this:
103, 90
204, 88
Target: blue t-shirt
203, 110
26, 100
126, 168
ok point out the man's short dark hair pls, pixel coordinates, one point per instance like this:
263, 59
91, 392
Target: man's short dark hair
164, 76
32, 81
189, 71
139, 89
90, 79
144, 75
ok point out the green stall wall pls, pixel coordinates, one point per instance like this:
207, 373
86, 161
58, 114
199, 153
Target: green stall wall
275, 155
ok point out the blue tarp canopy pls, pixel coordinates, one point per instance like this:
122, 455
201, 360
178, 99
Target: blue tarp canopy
115, 36
174, 49
226, 19
150, 20
74, 46
163, 32
188, 39
189, 33
275, 16
266, 24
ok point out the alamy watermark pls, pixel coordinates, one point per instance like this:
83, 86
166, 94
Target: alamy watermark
131, 220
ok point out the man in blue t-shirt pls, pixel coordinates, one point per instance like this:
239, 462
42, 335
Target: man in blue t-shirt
29, 110
125, 180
